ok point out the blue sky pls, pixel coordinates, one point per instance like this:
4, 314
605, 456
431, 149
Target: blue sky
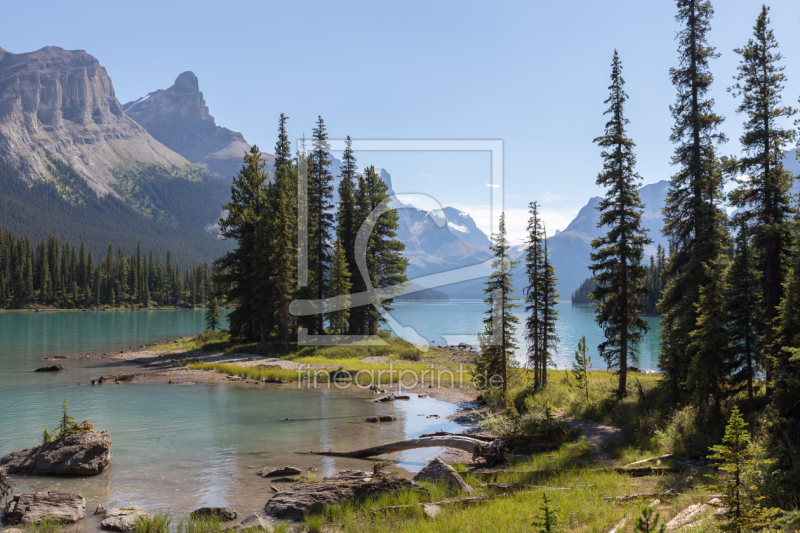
533, 74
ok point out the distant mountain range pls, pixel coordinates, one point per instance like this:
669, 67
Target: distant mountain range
77, 164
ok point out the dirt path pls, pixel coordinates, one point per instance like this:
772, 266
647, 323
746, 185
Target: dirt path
597, 436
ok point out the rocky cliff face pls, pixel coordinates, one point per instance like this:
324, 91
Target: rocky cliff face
179, 118
61, 103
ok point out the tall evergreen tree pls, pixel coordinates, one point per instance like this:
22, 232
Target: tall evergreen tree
693, 216
339, 285
743, 307
617, 259
534, 292
710, 346
766, 192
320, 204
283, 261
212, 315
347, 216
495, 357
238, 269
549, 336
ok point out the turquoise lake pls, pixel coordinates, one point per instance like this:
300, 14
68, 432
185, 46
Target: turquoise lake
182, 447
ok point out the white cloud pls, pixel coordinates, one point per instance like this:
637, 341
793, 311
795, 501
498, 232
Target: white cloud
493, 186
517, 220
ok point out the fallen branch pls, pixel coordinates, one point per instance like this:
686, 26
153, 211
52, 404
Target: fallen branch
635, 472
492, 452
523, 486
667, 456
471, 499
447, 434
642, 495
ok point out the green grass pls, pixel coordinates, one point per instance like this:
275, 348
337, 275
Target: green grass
159, 522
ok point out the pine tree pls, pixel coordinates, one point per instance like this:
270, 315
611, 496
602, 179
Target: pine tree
648, 522
212, 315
617, 259
548, 521
736, 457
693, 216
534, 292
766, 192
238, 270
67, 425
581, 366
283, 262
497, 347
320, 198
743, 306
346, 217
710, 346
549, 334
339, 286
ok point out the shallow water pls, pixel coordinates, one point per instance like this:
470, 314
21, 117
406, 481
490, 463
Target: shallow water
183, 446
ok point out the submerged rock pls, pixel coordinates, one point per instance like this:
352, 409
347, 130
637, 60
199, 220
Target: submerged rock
86, 453
32, 507
220, 513
123, 519
285, 471
54, 368
348, 485
439, 471
384, 418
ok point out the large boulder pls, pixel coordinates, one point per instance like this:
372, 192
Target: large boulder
123, 519
440, 472
86, 453
32, 507
285, 471
314, 496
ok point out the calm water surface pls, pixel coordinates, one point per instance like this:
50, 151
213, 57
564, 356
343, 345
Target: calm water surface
182, 446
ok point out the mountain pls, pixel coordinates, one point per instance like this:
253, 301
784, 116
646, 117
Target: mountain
74, 165
179, 118
57, 103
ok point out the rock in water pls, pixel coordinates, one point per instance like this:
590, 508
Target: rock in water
348, 485
285, 471
382, 418
32, 507
220, 513
86, 453
54, 368
438, 470
123, 519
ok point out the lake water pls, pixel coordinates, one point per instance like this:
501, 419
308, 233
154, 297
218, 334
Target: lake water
182, 447
457, 321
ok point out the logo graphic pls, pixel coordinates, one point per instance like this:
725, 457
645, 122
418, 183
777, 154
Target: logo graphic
376, 296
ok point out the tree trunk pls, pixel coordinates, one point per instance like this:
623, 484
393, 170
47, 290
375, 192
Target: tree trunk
493, 452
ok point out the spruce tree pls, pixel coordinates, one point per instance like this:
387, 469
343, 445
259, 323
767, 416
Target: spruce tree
710, 345
534, 292
347, 215
212, 315
339, 286
617, 259
693, 215
385, 262
743, 308
497, 347
648, 522
765, 194
237, 270
548, 341
581, 366
283, 262
320, 204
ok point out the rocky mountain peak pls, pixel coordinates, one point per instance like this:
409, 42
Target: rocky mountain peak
179, 118
61, 103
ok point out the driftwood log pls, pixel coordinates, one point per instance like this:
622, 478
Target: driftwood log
484, 438
667, 456
492, 452
635, 472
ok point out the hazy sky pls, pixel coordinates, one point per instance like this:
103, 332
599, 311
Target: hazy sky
534, 74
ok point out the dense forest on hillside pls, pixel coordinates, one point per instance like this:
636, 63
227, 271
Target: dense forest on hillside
65, 276
654, 283
64, 207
